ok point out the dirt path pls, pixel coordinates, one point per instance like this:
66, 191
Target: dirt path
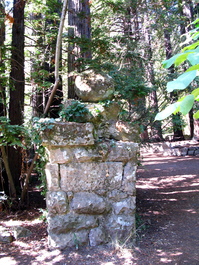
168, 213
168, 201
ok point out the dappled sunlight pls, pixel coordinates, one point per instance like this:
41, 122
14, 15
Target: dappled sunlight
167, 201
193, 211
8, 261
167, 181
179, 191
166, 257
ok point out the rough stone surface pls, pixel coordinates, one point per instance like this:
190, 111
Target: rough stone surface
70, 133
57, 202
20, 231
91, 178
97, 236
118, 130
71, 239
71, 222
52, 177
89, 203
79, 177
5, 236
125, 207
180, 148
94, 87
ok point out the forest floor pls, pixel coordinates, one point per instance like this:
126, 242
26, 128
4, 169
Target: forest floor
167, 216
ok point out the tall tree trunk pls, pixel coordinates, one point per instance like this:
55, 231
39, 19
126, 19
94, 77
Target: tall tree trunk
17, 84
2, 66
176, 119
79, 52
156, 129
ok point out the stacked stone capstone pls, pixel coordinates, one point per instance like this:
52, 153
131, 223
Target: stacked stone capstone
91, 175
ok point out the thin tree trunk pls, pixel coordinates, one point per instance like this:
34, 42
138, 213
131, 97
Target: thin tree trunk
25, 187
57, 57
8, 172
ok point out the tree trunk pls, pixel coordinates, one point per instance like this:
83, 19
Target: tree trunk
176, 119
156, 129
17, 84
44, 60
2, 66
12, 189
80, 29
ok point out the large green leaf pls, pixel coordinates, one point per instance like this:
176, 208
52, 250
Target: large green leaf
191, 47
193, 58
182, 81
181, 58
194, 67
168, 63
196, 115
195, 92
167, 111
186, 104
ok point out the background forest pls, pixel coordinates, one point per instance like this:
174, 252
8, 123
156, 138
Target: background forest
45, 44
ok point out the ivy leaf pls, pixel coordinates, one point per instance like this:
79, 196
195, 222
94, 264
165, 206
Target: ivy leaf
182, 81
167, 111
186, 104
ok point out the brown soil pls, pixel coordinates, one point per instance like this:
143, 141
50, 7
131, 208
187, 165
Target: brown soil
168, 223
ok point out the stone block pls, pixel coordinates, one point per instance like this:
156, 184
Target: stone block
72, 239
123, 151
120, 227
57, 202
59, 155
94, 87
86, 154
69, 133
88, 203
117, 195
52, 177
5, 236
125, 207
20, 231
129, 172
97, 236
118, 130
71, 222
78, 177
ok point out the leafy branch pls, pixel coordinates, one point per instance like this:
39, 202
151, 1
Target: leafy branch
191, 55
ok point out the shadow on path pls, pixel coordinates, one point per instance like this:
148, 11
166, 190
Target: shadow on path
168, 202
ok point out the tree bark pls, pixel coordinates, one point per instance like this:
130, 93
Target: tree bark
8, 172
57, 57
17, 85
25, 187
176, 119
156, 129
2, 66
78, 51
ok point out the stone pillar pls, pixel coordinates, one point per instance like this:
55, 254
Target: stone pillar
91, 186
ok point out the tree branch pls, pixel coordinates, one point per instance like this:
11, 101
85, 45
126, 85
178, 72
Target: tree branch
57, 57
